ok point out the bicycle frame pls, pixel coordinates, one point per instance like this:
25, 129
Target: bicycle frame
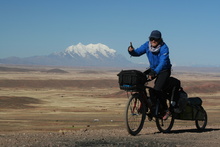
145, 97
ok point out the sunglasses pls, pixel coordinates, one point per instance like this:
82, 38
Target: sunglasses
155, 39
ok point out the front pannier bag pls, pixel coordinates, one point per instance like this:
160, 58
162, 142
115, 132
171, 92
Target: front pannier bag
131, 79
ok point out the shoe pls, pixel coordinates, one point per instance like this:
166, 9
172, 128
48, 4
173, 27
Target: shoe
168, 113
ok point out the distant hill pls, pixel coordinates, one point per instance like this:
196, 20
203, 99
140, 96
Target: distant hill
14, 69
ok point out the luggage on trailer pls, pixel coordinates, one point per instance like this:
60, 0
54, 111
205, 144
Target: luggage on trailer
193, 110
195, 101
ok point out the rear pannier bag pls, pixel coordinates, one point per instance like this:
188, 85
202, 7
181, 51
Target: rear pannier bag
131, 79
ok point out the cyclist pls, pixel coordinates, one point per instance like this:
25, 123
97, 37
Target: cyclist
160, 67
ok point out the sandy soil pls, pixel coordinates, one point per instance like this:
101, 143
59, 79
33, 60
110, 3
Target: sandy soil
84, 107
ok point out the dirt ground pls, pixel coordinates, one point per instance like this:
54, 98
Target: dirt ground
47, 106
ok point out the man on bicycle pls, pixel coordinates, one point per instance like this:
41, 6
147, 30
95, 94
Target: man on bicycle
160, 67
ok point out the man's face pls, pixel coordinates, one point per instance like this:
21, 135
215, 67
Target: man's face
154, 42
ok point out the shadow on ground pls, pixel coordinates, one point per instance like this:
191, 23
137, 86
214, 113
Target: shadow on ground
191, 131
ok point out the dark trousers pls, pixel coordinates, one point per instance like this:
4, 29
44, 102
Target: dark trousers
161, 80
159, 84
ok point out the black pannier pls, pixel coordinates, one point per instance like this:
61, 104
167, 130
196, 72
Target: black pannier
193, 110
131, 79
195, 101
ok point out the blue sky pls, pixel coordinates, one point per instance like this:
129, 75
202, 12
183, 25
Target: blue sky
190, 28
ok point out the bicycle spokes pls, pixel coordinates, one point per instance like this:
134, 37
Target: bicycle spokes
135, 106
135, 115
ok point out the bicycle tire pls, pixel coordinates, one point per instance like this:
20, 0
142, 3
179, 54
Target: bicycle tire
201, 124
163, 125
135, 114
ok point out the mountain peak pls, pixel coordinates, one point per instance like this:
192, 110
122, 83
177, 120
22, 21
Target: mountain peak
90, 49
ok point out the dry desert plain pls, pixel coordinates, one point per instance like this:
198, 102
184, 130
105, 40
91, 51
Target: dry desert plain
60, 106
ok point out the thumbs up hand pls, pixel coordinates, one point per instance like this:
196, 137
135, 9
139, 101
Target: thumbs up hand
130, 48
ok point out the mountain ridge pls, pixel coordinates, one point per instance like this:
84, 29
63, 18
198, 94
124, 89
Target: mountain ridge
76, 55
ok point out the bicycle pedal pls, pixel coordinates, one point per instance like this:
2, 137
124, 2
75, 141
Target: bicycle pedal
150, 118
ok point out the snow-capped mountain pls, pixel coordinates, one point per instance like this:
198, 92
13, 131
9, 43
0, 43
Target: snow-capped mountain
92, 49
97, 51
76, 55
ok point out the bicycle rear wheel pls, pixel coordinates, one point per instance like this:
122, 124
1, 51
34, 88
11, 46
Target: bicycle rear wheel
163, 125
135, 114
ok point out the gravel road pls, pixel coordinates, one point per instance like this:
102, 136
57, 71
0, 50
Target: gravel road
180, 137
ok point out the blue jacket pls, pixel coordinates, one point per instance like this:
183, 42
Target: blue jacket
158, 61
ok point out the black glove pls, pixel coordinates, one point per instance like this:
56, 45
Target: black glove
131, 46
153, 74
147, 71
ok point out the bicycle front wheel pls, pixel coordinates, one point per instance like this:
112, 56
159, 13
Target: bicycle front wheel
135, 114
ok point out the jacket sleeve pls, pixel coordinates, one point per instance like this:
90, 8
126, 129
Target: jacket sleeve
163, 60
139, 51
